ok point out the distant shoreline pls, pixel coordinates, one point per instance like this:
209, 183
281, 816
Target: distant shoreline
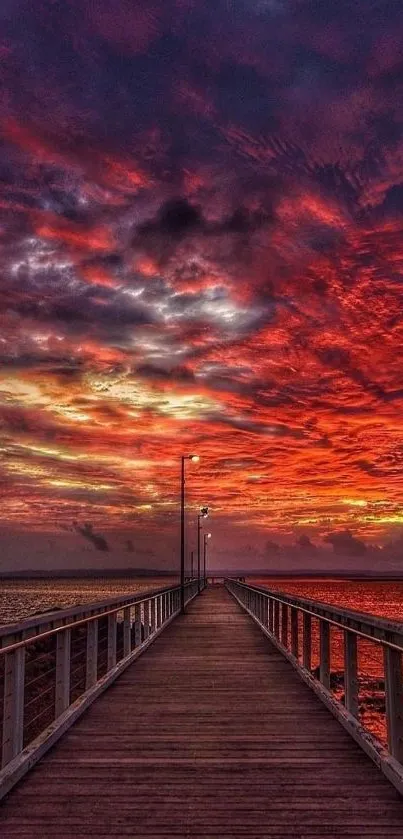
133, 573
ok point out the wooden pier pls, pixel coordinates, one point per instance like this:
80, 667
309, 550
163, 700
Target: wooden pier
210, 733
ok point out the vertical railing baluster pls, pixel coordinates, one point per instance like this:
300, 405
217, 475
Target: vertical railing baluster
137, 624
350, 673
324, 653
146, 619
153, 616
111, 657
63, 648
307, 640
294, 631
284, 625
13, 709
127, 632
277, 619
271, 614
91, 665
394, 701
265, 611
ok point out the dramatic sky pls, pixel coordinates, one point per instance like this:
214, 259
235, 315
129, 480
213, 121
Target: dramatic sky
201, 219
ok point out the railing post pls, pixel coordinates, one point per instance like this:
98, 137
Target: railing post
394, 701
146, 619
307, 641
112, 640
13, 711
91, 665
284, 625
153, 616
294, 631
271, 614
137, 624
324, 654
265, 611
277, 619
127, 633
350, 673
62, 698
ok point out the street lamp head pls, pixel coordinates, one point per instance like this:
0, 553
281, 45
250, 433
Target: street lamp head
194, 458
208, 535
204, 512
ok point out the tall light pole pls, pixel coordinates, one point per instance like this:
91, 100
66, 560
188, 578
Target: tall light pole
207, 536
194, 458
202, 515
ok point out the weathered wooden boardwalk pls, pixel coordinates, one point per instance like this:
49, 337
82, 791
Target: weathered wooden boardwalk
211, 733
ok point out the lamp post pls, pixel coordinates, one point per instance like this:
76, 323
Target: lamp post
194, 458
202, 515
207, 536
191, 564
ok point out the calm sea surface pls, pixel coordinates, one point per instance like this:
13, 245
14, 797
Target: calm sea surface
382, 598
21, 598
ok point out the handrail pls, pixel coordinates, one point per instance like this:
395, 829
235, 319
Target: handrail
349, 619
74, 624
277, 614
62, 651
30, 623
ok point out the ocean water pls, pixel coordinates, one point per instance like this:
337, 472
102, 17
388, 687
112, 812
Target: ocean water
381, 598
22, 598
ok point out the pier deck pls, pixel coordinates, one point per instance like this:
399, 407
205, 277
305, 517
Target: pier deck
211, 733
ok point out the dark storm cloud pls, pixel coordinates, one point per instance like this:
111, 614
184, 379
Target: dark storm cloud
175, 219
178, 219
87, 530
345, 543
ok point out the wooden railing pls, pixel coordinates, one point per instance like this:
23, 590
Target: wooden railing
288, 621
54, 665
